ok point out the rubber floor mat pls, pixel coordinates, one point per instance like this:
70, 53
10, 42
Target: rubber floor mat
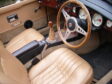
100, 59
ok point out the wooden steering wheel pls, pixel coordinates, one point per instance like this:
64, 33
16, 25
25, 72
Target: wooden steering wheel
72, 24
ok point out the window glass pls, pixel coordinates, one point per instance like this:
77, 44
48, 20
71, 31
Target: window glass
7, 2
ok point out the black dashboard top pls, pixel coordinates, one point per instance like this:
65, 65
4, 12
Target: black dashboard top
109, 1
101, 6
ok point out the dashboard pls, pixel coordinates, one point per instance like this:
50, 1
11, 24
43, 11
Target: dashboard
52, 3
100, 11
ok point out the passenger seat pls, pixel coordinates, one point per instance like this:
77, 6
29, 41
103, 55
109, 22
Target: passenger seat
23, 39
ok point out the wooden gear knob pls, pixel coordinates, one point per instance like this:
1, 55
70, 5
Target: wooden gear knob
51, 32
50, 24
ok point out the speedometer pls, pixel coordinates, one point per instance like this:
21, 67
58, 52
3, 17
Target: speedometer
97, 20
82, 14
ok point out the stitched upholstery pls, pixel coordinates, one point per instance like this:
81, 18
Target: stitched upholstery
23, 38
61, 67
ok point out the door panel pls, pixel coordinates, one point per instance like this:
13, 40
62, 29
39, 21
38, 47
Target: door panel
25, 10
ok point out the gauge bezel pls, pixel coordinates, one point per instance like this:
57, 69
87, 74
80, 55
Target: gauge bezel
84, 17
94, 22
74, 9
109, 26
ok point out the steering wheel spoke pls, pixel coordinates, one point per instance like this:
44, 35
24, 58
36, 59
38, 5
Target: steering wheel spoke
66, 15
67, 34
81, 30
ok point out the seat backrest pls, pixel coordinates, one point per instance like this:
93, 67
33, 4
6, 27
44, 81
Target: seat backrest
11, 70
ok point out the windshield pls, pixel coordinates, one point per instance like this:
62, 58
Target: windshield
7, 2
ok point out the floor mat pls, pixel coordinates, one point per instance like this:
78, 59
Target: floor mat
100, 59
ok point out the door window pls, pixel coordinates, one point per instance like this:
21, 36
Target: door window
8, 2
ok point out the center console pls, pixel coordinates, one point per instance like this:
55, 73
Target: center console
34, 48
29, 51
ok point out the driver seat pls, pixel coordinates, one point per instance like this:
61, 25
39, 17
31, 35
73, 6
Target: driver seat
60, 67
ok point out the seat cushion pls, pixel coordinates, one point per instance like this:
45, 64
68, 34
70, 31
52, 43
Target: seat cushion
61, 67
23, 39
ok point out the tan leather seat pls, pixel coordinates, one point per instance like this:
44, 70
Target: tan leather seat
23, 38
60, 67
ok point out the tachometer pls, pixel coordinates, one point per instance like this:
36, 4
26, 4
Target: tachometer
97, 20
82, 14
109, 23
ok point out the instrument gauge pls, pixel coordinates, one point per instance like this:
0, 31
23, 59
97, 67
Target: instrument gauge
97, 20
109, 23
82, 14
74, 9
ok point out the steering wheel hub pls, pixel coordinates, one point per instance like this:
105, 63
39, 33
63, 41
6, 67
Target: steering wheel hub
71, 24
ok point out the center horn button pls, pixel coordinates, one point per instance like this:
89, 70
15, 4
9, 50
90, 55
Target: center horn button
71, 24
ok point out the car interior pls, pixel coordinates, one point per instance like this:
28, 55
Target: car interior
56, 42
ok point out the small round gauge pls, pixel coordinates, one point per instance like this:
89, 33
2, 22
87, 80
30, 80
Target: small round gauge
82, 14
74, 9
109, 23
97, 20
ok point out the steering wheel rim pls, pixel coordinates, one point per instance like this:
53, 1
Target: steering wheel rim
87, 36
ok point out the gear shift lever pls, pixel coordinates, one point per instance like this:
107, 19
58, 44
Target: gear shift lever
51, 37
